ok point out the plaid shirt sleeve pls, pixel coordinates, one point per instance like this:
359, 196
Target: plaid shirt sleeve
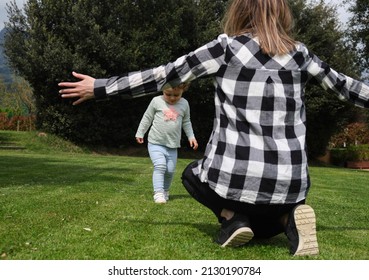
345, 87
204, 61
257, 149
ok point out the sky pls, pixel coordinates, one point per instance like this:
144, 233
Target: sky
3, 12
341, 9
343, 15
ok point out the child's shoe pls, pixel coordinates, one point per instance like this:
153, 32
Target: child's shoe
159, 198
166, 195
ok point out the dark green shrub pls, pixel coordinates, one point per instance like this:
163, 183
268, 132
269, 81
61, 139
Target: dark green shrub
340, 156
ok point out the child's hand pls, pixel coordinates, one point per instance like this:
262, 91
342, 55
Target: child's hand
139, 140
193, 143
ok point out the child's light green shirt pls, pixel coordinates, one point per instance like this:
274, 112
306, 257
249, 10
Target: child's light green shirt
166, 122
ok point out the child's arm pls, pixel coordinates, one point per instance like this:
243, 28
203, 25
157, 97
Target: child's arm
187, 127
146, 122
193, 143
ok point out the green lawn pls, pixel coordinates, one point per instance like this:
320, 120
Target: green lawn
59, 202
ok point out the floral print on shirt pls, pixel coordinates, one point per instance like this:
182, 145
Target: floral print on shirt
170, 114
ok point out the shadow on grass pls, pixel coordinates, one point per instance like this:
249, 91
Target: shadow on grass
340, 228
40, 170
212, 230
179, 196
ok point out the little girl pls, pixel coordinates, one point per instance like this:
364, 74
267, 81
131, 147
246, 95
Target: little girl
166, 114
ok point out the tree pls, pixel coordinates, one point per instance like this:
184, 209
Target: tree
317, 26
51, 38
48, 39
16, 105
359, 31
17, 97
201, 94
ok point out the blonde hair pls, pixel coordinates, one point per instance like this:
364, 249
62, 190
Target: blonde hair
269, 20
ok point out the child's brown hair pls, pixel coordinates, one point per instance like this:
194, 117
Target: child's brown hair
184, 86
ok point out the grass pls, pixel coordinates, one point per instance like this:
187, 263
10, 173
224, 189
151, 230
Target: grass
60, 202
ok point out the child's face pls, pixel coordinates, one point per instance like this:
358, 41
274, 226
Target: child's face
172, 95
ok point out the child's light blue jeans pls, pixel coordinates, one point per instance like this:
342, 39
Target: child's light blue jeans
164, 160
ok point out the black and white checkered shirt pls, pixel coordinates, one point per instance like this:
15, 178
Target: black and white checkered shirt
256, 152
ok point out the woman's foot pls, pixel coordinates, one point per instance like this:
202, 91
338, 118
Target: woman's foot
235, 231
301, 231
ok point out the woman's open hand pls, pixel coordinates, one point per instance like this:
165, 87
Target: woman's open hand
83, 89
